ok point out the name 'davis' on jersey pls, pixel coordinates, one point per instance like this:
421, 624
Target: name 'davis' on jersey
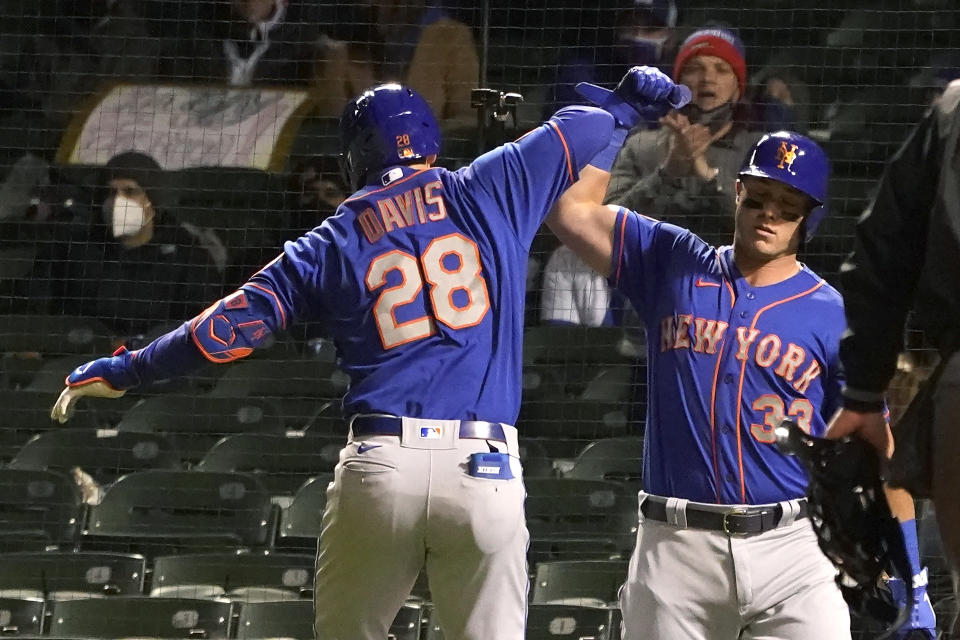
420, 205
767, 351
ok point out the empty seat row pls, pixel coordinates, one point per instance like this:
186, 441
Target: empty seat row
157, 512
144, 617
282, 461
244, 576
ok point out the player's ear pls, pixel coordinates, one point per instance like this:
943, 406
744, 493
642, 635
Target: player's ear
739, 188
431, 159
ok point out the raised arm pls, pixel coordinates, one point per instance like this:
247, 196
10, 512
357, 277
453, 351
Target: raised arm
583, 223
579, 218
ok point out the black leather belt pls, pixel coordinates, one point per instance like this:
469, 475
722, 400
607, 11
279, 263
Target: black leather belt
738, 521
392, 426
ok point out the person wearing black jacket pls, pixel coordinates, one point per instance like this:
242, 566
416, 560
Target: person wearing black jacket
907, 259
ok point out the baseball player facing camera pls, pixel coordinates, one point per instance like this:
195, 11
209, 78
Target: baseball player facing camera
739, 337
420, 278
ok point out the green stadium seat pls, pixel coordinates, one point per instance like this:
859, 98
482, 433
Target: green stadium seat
130, 617
105, 454
241, 576
613, 459
55, 335
553, 622
182, 510
282, 462
38, 508
565, 425
22, 616
579, 582
195, 423
62, 575
580, 519
300, 522
294, 619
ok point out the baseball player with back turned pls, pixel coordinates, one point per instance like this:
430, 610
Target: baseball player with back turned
420, 278
739, 337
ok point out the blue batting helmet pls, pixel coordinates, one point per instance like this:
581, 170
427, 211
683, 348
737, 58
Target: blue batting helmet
795, 160
386, 125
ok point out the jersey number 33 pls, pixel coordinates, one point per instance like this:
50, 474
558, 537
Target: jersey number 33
450, 264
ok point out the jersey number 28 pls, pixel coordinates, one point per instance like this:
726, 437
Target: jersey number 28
466, 276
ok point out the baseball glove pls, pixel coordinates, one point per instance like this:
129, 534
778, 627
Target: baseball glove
853, 523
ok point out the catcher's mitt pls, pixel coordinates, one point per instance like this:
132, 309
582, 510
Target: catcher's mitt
849, 512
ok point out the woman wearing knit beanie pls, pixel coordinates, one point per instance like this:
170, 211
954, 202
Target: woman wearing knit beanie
685, 171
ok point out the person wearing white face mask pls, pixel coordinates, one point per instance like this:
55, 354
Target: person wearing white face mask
141, 267
129, 212
681, 171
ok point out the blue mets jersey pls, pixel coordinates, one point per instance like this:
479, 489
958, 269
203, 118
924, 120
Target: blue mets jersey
421, 278
727, 362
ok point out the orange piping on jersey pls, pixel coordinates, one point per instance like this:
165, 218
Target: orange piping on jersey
743, 369
389, 186
276, 301
267, 266
716, 375
723, 277
713, 422
566, 149
623, 229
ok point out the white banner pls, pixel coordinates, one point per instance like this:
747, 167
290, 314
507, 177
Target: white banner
183, 126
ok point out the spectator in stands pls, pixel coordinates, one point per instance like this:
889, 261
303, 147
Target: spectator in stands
575, 294
139, 267
242, 42
683, 172
414, 42
779, 100
943, 67
644, 32
52, 59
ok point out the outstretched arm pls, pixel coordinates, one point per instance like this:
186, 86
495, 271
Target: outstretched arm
287, 288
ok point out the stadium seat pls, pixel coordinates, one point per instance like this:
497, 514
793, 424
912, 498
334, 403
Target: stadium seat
579, 582
282, 462
300, 522
22, 616
241, 576
55, 335
37, 508
277, 378
49, 377
183, 510
611, 383
563, 426
580, 519
534, 458
301, 388
105, 454
555, 622
126, 617
560, 343
614, 459
195, 422
63, 575
29, 411
549, 622
294, 619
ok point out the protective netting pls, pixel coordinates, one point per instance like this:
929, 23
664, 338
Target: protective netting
218, 120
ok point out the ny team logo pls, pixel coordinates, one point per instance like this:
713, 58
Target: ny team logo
786, 154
